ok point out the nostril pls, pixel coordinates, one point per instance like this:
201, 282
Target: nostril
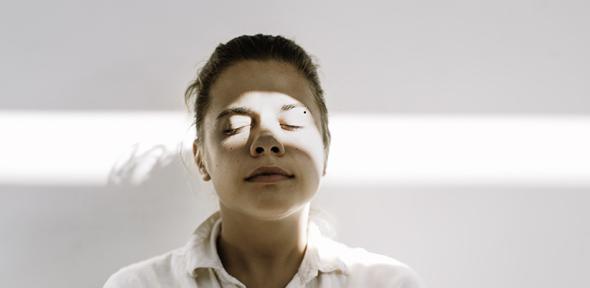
259, 149
275, 149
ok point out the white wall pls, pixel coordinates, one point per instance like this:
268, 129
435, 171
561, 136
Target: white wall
517, 225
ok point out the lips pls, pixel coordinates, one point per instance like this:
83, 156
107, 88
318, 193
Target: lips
270, 173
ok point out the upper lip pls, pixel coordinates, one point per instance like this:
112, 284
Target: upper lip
268, 170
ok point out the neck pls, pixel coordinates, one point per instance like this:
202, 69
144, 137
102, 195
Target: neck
251, 248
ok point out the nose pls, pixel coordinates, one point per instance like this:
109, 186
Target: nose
266, 143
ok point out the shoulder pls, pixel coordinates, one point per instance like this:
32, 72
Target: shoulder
151, 272
370, 269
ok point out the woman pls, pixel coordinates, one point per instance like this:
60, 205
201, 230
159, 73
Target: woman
263, 140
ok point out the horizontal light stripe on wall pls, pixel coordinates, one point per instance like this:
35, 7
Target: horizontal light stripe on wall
92, 147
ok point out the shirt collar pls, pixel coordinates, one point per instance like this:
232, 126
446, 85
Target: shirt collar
321, 255
201, 250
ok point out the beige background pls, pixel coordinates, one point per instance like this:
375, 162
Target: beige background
418, 58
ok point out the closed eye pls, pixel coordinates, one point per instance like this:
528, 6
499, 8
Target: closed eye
290, 127
233, 131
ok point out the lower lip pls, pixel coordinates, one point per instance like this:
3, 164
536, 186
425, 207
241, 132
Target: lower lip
269, 178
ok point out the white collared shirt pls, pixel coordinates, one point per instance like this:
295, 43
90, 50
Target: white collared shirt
326, 263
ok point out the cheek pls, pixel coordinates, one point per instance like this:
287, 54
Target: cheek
226, 159
222, 158
310, 143
235, 142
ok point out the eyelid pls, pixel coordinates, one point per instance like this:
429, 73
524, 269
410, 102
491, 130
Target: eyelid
291, 126
232, 131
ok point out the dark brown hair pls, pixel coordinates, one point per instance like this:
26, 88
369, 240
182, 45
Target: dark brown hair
255, 47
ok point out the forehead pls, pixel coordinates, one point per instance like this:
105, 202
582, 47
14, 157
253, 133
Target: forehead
257, 84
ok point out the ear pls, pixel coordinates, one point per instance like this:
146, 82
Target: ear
198, 156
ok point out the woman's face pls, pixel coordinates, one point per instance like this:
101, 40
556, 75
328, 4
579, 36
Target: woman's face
262, 114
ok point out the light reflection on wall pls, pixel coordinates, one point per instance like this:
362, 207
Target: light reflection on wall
93, 148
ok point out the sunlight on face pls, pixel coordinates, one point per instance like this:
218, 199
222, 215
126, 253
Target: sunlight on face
263, 114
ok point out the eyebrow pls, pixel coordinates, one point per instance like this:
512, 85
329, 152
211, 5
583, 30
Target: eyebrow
248, 111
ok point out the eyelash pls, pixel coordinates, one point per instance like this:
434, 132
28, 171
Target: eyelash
230, 132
